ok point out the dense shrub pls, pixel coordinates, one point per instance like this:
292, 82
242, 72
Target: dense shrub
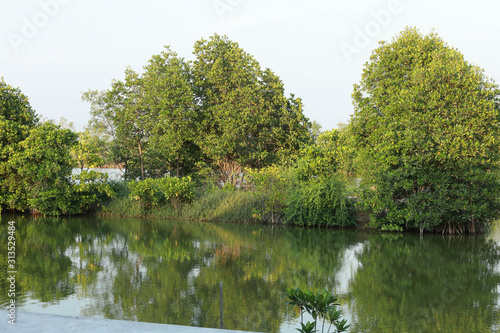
153, 192
177, 190
43, 182
120, 187
271, 186
90, 190
321, 202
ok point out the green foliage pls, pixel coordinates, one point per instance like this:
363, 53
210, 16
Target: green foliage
101, 126
309, 327
90, 189
150, 118
271, 186
146, 191
245, 116
315, 130
427, 130
331, 153
17, 118
89, 151
131, 119
321, 202
44, 167
153, 192
220, 110
120, 187
219, 205
177, 190
36, 162
169, 97
214, 205
15, 108
320, 304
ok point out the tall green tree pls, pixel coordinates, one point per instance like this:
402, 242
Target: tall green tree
220, 111
150, 118
122, 114
246, 118
315, 130
131, 119
173, 122
17, 118
426, 123
101, 125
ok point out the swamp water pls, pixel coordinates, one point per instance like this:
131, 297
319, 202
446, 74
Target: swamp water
169, 272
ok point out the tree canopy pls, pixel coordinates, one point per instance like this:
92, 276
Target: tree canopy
426, 124
246, 117
17, 118
220, 110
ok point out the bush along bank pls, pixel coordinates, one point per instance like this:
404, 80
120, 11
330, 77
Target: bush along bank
270, 195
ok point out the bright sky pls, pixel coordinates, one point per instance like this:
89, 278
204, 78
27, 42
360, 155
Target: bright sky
55, 49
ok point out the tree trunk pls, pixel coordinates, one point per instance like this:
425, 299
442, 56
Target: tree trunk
178, 166
142, 162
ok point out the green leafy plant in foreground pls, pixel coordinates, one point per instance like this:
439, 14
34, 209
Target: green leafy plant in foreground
320, 304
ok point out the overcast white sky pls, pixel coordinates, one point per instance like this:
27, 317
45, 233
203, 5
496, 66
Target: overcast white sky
55, 49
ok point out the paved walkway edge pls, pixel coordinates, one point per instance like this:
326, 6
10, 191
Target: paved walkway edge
46, 323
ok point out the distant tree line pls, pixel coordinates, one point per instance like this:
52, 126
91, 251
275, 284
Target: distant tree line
424, 138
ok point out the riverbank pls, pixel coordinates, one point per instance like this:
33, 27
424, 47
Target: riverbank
321, 204
209, 206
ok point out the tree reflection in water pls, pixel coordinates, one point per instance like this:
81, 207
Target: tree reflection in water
169, 272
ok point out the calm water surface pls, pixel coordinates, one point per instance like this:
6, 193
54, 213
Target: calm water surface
169, 272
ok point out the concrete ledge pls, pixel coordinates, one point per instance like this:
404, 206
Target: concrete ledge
27, 322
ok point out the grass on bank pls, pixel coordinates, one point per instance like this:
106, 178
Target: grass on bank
214, 205
272, 199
